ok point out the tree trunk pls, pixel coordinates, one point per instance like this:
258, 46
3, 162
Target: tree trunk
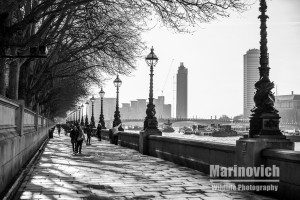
2, 76
23, 86
13, 85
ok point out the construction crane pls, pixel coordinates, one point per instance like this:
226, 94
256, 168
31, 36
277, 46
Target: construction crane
166, 79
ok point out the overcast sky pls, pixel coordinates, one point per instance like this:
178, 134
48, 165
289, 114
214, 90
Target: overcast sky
213, 54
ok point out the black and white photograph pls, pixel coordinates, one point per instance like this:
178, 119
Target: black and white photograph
149, 99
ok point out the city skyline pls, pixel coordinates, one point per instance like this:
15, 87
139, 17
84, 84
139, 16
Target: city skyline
135, 109
214, 53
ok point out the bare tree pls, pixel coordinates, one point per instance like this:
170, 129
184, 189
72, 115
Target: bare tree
85, 38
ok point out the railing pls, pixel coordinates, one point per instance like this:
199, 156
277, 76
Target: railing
22, 132
7, 113
14, 115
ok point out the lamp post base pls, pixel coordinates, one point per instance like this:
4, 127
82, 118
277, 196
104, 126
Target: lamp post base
248, 150
143, 140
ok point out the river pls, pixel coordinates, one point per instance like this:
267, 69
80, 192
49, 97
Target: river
227, 140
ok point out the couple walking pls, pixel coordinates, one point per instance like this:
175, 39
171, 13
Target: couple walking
77, 138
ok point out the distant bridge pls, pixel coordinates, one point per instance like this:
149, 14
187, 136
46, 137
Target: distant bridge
208, 121
195, 120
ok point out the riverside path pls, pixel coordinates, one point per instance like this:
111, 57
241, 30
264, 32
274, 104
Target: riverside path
106, 171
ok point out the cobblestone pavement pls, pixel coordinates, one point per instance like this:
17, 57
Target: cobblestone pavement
105, 171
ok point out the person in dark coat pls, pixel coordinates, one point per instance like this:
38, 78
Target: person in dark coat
73, 136
58, 129
80, 139
99, 128
88, 134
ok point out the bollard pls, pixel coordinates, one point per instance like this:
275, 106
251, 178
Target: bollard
50, 132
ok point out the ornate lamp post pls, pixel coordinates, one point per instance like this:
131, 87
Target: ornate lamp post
264, 121
92, 117
75, 116
101, 118
81, 109
150, 121
117, 117
86, 114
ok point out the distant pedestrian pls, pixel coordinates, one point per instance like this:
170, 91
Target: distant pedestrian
99, 128
58, 129
80, 139
115, 131
74, 136
88, 134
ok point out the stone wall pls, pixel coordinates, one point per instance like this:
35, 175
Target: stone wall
200, 155
194, 154
190, 153
129, 140
105, 134
289, 164
22, 132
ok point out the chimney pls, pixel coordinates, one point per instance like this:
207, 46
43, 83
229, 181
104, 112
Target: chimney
292, 92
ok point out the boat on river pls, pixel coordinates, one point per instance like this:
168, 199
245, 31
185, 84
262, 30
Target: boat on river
167, 127
134, 128
224, 131
186, 130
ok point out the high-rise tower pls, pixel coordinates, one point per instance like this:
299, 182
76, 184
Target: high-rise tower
182, 91
251, 76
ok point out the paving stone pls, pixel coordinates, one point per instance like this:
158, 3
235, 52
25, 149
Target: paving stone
106, 171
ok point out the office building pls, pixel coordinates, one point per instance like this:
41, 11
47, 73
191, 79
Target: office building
289, 108
137, 109
109, 107
182, 92
251, 76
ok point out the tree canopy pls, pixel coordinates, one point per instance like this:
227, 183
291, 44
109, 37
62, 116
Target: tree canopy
85, 39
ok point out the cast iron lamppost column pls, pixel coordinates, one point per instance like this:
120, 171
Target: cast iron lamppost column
79, 108
75, 116
264, 121
86, 114
82, 121
150, 120
101, 118
117, 117
92, 117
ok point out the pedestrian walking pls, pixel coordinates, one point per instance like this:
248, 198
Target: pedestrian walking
80, 139
99, 128
89, 134
58, 129
74, 136
114, 134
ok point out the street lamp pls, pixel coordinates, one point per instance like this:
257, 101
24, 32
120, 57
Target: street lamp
81, 109
264, 120
75, 116
264, 130
101, 118
92, 117
117, 117
150, 121
86, 115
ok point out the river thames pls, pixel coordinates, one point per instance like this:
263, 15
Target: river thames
226, 140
